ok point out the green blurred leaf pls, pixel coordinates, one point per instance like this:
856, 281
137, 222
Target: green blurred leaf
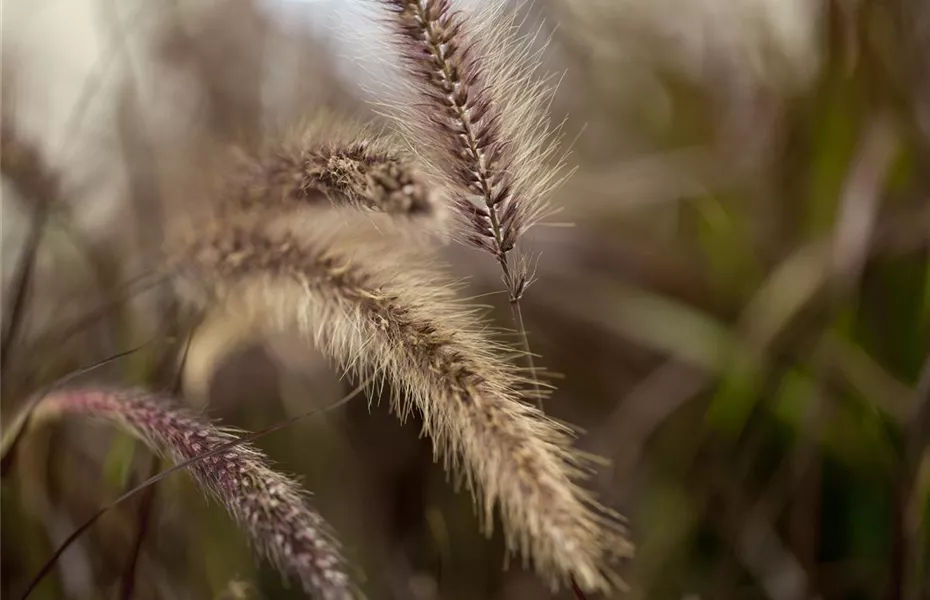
117, 466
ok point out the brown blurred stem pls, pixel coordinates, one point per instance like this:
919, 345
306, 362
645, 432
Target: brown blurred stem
148, 500
143, 521
23, 163
579, 593
905, 581
22, 283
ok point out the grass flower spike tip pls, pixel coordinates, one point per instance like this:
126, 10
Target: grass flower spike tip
477, 114
333, 160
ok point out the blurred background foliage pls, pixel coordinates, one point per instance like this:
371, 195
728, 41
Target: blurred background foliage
733, 301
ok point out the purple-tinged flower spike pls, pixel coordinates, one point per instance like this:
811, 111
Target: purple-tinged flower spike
473, 108
269, 506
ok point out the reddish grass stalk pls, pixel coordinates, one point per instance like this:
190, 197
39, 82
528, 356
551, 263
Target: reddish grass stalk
270, 507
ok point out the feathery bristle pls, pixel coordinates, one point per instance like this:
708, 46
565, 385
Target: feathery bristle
270, 507
347, 165
377, 311
477, 115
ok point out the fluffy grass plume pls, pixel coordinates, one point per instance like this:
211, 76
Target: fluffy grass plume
270, 507
472, 106
335, 160
376, 310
